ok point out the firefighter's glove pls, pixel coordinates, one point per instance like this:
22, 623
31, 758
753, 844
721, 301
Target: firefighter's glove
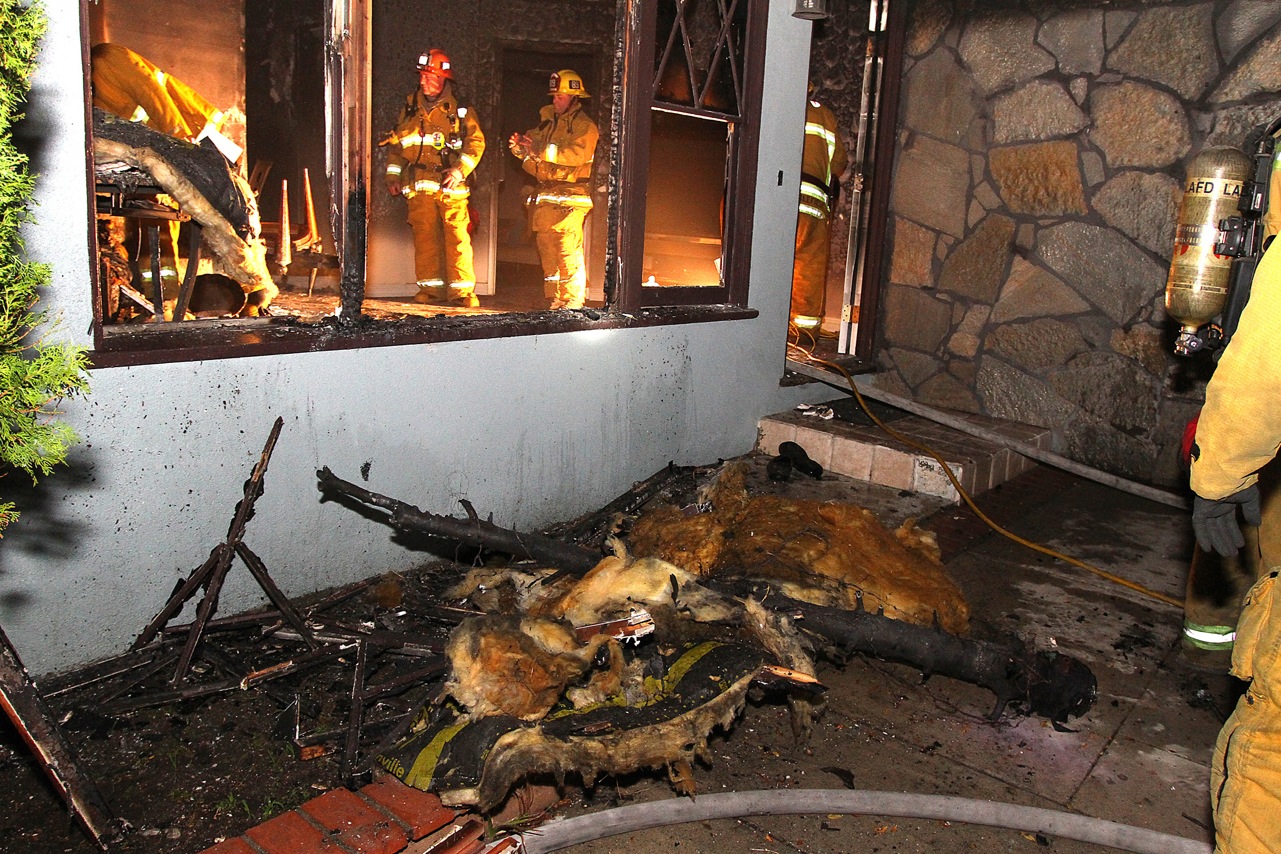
452, 178
520, 145
1214, 521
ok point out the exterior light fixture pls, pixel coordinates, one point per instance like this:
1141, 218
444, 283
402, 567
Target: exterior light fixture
811, 10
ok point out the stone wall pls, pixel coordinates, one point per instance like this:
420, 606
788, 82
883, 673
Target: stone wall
1041, 150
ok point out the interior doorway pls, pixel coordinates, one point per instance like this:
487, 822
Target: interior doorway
286, 130
523, 92
861, 89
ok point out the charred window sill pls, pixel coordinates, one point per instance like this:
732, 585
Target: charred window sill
149, 344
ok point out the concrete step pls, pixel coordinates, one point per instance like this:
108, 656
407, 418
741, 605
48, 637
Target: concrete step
865, 452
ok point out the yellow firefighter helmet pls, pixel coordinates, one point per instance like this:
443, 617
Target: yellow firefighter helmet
436, 62
567, 82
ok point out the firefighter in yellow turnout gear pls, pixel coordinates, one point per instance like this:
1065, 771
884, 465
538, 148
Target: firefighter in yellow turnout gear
132, 87
1239, 432
128, 85
437, 143
1217, 582
822, 162
559, 153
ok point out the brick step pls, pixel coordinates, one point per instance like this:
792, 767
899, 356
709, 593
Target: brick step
867, 453
381, 818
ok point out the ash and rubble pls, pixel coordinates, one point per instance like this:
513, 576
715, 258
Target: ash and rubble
376, 673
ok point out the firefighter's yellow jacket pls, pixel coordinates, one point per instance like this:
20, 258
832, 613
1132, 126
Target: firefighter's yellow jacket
127, 85
822, 160
1239, 430
561, 153
430, 138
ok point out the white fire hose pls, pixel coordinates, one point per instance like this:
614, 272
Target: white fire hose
563, 833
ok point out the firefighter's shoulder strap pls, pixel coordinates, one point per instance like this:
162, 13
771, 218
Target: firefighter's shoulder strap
1264, 186
1272, 212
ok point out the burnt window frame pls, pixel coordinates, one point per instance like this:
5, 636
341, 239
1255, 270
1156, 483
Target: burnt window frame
638, 102
628, 305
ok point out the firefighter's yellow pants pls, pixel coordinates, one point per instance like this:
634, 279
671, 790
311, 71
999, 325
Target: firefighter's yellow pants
809, 270
1245, 777
133, 88
442, 244
558, 231
1217, 584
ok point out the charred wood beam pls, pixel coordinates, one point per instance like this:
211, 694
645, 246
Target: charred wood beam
232, 623
266, 618
340, 595
238, 671
472, 530
362, 694
1052, 685
591, 527
416, 677
140, 676
259, 571
34, 721
213, 572
402, 643
293, 665
356, 713
220, 556
328, 740
101, 671
351, 286
162, 698
220, 559
450, 616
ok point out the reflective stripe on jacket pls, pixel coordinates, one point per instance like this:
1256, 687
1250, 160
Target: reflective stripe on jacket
822, 159
559, 193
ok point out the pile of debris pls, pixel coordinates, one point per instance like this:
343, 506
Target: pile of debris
632, 663
613, 644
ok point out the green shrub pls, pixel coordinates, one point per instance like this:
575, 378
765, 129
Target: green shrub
35, 373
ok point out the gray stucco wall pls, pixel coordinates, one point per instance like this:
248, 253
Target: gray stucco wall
1042, 150
531, 429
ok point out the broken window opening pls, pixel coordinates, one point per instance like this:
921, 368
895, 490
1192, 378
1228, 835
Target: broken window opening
308, 86
697, 110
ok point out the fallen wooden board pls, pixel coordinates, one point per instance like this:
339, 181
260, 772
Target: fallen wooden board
31, 716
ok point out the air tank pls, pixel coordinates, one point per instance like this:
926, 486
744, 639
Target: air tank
1197, 287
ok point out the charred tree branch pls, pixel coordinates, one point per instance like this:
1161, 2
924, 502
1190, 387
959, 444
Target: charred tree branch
1054, 686
593, 527
473, 531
